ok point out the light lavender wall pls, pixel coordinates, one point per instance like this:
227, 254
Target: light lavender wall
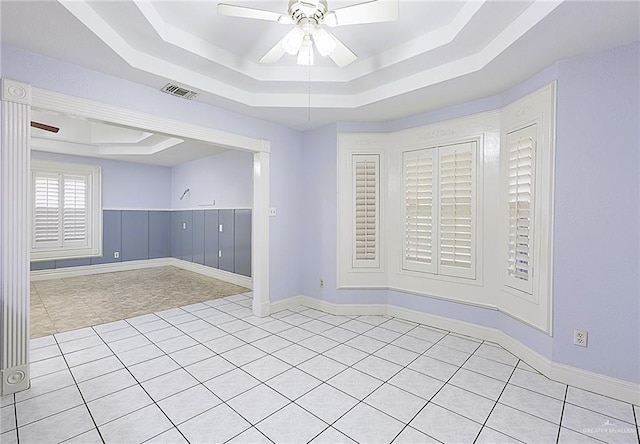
226, 178
125, 185
596, 264
597, 226
320, 220
286, 144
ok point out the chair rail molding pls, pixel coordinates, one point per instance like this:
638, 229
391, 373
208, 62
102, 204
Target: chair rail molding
15, 159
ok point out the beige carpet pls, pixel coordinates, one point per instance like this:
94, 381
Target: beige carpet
59, 305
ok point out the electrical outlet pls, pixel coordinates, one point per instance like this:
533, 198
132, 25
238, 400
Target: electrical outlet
184, 225
272, 212
321, 283
116, 254
580, 337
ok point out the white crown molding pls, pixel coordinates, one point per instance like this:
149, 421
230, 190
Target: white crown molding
197, 81
426, 42
616, 388
49, 100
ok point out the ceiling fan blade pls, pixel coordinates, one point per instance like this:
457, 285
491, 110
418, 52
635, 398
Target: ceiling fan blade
44, 127
373, 11
274, 54
341, 55
252, 13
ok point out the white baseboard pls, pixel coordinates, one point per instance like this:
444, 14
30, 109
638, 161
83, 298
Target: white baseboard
285, 304
85, 270
226, 276
584, 379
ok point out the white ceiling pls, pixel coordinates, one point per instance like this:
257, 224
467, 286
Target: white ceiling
81, 137
438, 53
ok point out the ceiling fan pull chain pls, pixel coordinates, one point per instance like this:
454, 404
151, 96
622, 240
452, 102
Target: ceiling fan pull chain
309, 89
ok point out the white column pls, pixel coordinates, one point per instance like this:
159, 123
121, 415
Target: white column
260, 233
15, 236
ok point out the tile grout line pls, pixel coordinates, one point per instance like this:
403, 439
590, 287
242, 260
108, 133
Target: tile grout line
436, 393
142, 387
564, 403
484, 424
313, 333
81, 395
316, 354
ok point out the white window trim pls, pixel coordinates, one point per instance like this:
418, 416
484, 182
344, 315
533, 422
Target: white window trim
374, 261
535, 308
93, 246
480, 128
488, 289
346, 267
436, 267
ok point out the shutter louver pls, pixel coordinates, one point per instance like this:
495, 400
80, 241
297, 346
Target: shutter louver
520, 203
75, 209
418, 169
366, 207
46, 212
457, 210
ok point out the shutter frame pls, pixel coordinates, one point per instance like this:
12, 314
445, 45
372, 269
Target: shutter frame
78, 222
365, 245
420, 210
47, 219
457, 185
519, 195
75, 209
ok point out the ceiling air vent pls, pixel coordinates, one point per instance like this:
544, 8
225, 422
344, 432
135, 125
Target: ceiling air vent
175, 90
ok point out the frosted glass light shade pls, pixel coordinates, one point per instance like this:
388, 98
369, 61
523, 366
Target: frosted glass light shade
305, 55
292, 41
325, 43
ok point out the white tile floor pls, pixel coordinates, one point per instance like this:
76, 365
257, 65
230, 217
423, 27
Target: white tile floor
297, 376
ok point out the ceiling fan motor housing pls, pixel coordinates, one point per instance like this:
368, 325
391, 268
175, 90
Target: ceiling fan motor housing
302, 11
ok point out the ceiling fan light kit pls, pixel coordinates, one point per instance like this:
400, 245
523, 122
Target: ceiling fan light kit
324, 41
305, 54
308, 16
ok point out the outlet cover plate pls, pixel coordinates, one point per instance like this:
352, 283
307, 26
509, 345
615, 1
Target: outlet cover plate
580, 337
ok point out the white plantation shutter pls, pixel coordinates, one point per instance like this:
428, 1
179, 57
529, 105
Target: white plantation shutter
46, 210
75, 211
521, 145
419, 238
60, 210
457, 190
67, 210
366, 205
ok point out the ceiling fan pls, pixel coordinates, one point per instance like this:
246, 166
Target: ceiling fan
308, 16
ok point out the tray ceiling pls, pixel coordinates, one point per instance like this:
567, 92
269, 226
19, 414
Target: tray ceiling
438, 53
